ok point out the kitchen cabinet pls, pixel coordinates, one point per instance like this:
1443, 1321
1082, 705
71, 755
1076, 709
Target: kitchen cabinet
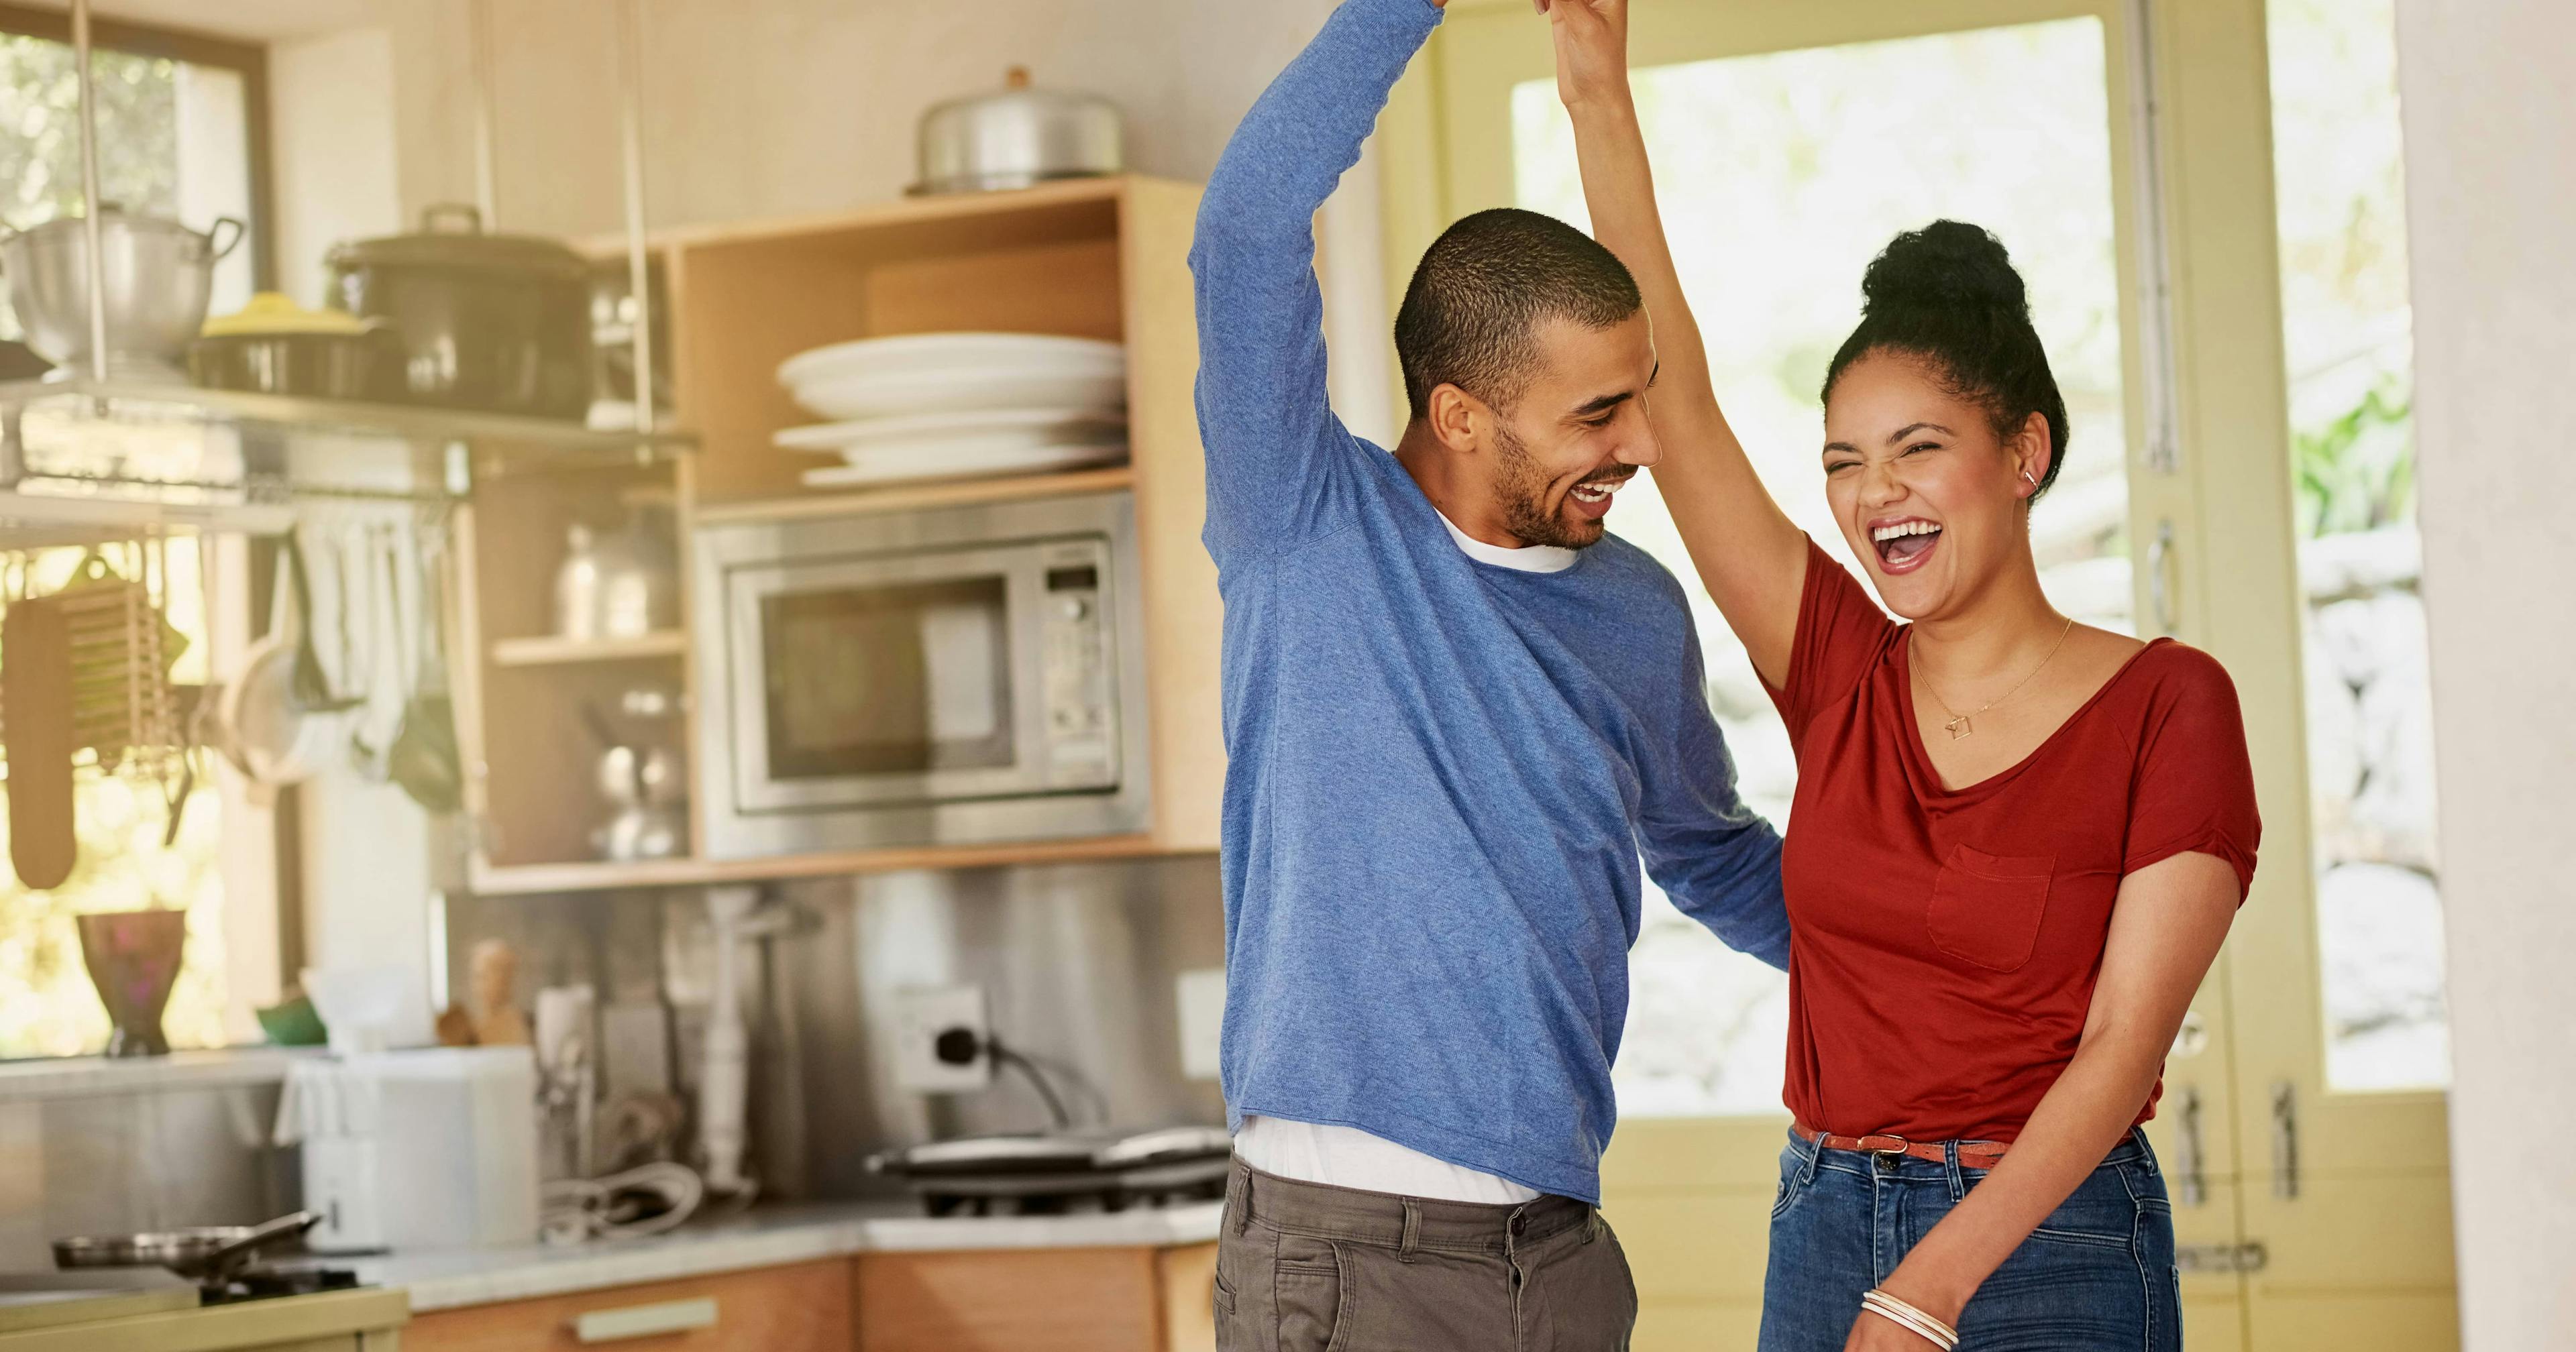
1099, 258
800, 1308
1060, 1300
1132, 1299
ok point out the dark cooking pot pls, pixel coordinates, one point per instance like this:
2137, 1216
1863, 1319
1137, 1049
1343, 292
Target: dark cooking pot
499, 323
274, 346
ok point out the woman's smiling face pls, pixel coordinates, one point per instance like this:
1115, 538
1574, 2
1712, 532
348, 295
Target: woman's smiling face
1925, 492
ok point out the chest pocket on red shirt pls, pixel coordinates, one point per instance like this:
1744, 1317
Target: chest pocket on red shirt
1986, 908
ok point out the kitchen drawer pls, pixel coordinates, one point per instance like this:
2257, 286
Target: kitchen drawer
800, 1308
1045, 1300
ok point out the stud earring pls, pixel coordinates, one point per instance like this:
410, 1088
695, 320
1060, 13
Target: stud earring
2034, 483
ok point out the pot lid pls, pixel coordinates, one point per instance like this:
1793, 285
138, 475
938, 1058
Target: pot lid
274, 312
451, 236
1017, 92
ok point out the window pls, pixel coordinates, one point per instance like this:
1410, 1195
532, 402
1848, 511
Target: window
1781, 175
2339, 175
179, 134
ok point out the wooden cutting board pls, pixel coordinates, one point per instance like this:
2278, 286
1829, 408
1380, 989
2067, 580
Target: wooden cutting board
36, 726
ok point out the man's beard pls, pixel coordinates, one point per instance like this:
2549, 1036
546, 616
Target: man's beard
1522, 486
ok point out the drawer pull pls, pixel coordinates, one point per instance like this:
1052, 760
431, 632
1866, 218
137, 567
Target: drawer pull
645, 1321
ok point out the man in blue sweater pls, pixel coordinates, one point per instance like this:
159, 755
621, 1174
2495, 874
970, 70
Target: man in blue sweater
1457, 714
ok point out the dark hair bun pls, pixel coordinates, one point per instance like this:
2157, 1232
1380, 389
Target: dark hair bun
1947, 264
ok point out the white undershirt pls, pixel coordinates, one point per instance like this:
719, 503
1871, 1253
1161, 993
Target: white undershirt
1526, 559
1346, 1157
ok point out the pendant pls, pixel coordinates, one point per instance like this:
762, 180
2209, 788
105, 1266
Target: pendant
1959, 727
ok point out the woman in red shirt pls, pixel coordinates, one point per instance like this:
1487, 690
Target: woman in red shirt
2017, 842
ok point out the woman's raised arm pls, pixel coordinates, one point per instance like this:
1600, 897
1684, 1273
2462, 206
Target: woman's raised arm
1751, 557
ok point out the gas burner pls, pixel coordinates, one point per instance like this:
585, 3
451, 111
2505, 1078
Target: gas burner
1063, 1173
268, 1283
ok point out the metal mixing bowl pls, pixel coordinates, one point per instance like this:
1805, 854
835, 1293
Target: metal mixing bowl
158, 274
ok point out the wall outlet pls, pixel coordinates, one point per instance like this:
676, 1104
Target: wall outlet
921, 1017
1202, 995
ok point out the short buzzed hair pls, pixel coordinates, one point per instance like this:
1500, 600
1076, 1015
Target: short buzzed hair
1482, 289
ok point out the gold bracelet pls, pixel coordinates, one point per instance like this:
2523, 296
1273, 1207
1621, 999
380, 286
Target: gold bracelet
1910, 1319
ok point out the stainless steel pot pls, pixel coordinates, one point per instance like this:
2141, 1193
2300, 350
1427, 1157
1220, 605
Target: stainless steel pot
158, 274
1019, 137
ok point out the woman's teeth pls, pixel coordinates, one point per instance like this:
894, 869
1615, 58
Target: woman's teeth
1904, 541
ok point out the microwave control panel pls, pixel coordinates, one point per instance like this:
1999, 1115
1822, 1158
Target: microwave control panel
1081, 694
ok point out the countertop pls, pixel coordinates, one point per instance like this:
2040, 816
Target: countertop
767, 1236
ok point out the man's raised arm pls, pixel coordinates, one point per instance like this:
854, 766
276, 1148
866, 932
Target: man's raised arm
1270, 435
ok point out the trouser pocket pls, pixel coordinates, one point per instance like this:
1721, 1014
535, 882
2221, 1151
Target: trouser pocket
1307, 1282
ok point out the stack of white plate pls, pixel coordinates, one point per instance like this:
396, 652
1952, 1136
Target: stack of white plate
958, 405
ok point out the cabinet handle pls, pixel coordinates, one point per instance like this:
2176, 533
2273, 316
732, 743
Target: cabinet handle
2285, 1141
2160, 583
644, 1321
2191, 1184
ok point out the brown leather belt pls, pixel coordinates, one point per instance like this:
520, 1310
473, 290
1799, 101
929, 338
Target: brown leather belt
1972, 1154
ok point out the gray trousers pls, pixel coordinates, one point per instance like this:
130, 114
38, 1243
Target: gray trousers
1302, 1267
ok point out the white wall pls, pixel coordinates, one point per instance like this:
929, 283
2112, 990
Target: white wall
2490, 128
803, 105
331, 102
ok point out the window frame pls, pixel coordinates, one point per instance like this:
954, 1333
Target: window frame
246, 59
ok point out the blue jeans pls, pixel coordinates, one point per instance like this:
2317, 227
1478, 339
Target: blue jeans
2096, 1276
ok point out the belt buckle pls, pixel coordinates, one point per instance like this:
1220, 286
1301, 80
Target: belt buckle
1902, 1146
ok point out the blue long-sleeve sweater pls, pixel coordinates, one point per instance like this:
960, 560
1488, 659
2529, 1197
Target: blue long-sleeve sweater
1443, 773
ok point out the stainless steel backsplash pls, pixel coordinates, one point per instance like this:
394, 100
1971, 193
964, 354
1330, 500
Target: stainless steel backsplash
1079, 964
110, 1163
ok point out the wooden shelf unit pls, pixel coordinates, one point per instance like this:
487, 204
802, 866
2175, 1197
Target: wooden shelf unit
552, 651
1103, 258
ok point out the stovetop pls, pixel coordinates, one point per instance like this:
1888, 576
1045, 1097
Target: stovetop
269, 1283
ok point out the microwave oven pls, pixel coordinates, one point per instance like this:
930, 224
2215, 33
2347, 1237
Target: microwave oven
961, 675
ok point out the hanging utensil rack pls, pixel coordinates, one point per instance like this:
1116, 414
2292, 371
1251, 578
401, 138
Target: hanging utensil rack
66, 474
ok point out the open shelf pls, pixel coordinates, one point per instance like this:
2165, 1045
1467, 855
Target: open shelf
916, 497
552, 651
43, 520
538, 879
520, 441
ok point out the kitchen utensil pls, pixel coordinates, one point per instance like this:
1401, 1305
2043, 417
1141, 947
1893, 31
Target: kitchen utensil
36, 716
133, 959
879, 471
123, 648
646, 788
424, 759
275, 737
157, 274
210, 1253
639, 576
1017, 138
274, 346
493, 322
968, 432
577, 584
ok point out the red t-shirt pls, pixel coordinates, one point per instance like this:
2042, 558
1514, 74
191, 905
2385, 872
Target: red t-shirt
1944, 944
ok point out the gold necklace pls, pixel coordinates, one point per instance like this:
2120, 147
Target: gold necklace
1959, 726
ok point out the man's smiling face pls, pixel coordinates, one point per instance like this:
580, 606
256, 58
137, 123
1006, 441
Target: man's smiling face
1576, 433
